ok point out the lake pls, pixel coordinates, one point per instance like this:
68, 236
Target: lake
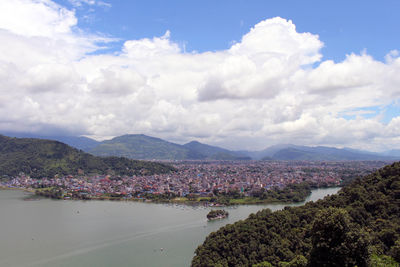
105, 233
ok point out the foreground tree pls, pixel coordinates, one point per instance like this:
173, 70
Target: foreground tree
336, 242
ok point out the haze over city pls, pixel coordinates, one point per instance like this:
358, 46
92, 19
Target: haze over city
233, 74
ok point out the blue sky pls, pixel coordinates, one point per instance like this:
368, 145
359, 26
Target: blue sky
238, 74
344, 26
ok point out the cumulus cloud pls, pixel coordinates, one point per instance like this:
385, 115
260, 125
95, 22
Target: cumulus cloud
262, 90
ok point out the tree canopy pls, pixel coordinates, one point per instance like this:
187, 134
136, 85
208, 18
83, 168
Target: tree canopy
360, 223
46, 158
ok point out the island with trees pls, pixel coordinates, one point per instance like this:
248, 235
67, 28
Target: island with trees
217, 214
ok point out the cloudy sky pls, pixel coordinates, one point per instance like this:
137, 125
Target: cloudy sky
228, 73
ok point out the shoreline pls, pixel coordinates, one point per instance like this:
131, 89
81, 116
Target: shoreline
178, 200
30, 190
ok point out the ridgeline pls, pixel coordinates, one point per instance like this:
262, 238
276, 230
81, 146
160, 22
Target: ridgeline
139, 146
358, 226
45, 158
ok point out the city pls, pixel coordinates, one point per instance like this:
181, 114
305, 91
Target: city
199, 179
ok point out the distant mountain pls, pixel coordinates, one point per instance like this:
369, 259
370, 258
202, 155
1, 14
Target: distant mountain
204, 149
139, 146
46, 158
393, 153
79, 142
359, 151
292, 152
266, 153
214, 152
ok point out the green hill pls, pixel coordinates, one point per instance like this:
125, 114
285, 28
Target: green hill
46, 158
358, 226
79, 142
139, 146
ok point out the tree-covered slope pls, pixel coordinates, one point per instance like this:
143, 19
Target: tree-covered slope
139, 146
79, 142
345, 229
46, 158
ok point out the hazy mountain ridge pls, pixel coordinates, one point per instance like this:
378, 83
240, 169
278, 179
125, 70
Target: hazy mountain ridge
393, 152
214, 152
140, 146
146, 147
292, 152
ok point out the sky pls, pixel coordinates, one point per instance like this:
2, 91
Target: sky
238, 74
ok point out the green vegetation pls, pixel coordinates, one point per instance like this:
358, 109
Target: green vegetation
289, 194
383, 261
45, 158
358, 226
217, 214
139, 146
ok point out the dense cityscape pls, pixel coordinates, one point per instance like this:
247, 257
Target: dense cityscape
199, 179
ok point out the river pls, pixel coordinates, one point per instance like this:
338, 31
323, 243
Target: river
105, 233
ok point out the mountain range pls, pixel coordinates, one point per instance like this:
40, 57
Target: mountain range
139, 146
294, 152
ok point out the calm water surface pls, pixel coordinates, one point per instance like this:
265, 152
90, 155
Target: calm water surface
105, 233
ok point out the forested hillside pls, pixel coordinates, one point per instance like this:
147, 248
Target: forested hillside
358, 226
139, 146
45, 158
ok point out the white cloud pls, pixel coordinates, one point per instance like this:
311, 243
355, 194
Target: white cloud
40, 18
79, 3
262, 90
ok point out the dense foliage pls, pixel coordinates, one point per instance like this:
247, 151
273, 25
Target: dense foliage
217, 214
289, 193
357, 226
45, 158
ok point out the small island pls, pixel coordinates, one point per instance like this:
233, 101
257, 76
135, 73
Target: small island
217, 214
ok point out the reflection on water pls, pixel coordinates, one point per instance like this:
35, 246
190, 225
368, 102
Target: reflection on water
105, 233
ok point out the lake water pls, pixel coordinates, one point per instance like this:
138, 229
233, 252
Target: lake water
105, 233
